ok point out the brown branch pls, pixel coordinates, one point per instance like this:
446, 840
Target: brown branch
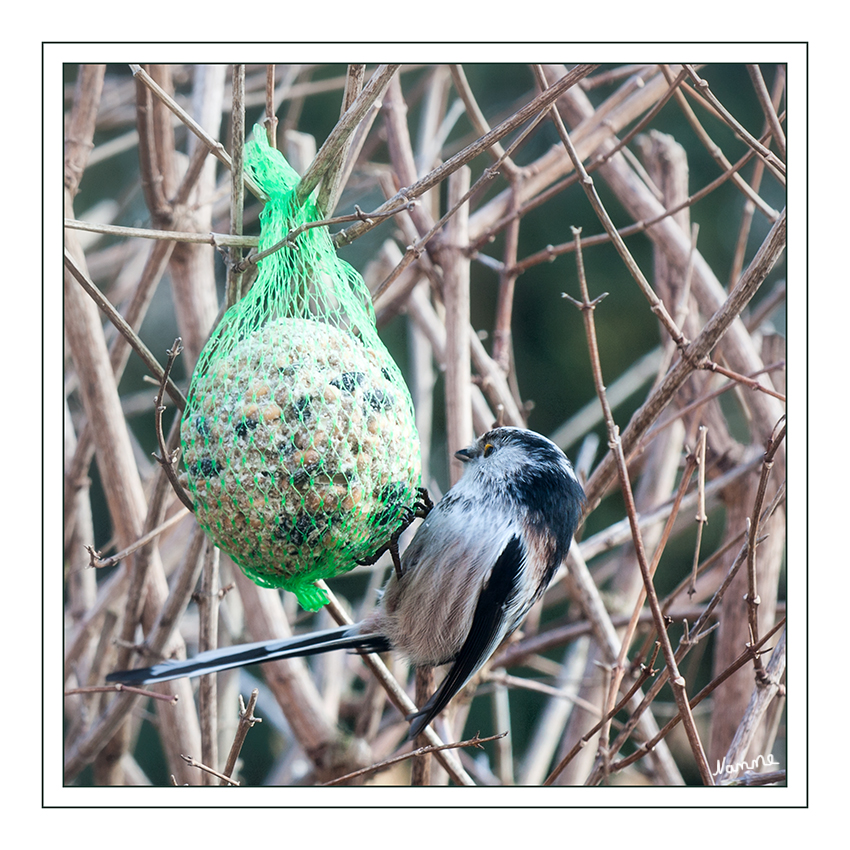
748, 654
341, 134
507, 283
216, 148
550, 252
646, 672
225, 780
181, 587
767, 687
714, 149
414, 251
237, 186
215, 239
331, 187
469, 153
753, 600
121, 688
677, 681
288, 241
98, 562
126, 331
270, 119
711, 366
246, 722
594, 164
207, 600
422, 751
755, 182
81, 123
165, 458
769, 110
595, 201
701, 517
704, 399
479, 122
420, 771
687, 642
769, 157
456, 297
619, 668
709, 336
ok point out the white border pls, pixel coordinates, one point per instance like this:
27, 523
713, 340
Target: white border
795, 793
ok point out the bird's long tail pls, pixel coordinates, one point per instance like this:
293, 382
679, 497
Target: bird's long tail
226, 658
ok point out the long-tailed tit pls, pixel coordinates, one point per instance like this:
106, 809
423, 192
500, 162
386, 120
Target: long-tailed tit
482, 557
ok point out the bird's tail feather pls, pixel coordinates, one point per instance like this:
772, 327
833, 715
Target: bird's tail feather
438, 701
226, 658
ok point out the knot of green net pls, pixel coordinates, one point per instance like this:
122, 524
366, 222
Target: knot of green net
298, 437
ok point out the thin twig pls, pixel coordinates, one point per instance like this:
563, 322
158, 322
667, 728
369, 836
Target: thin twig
225, 780
345, 127
216, 148
165, 458
767, 687
479, 122
270, 119
769, 157
595, 201
288, 241
113, 560
118, 687
753, 600
469, 153
701, 517
418, 753
749, 653
126, 331
686, 643
714, 149
246, 722
619, 668
593, 165
237, 185
711, 366
550, 252
704, 399
646, 672
215, 239
677, 681
749, 210
331, 186
712, 332
767, 107
415, 250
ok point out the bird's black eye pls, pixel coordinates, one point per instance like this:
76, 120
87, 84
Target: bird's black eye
488, 449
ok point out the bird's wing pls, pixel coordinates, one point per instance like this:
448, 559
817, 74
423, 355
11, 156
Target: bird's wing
491, 623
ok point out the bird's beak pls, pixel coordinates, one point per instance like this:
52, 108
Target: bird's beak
463, 455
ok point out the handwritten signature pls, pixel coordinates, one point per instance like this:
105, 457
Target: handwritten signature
741, 766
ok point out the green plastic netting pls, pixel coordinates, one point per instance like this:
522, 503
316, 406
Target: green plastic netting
299, 441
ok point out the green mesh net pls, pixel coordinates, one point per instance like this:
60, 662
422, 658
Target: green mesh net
298, 437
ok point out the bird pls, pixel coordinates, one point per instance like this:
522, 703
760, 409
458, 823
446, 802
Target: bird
480, 559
